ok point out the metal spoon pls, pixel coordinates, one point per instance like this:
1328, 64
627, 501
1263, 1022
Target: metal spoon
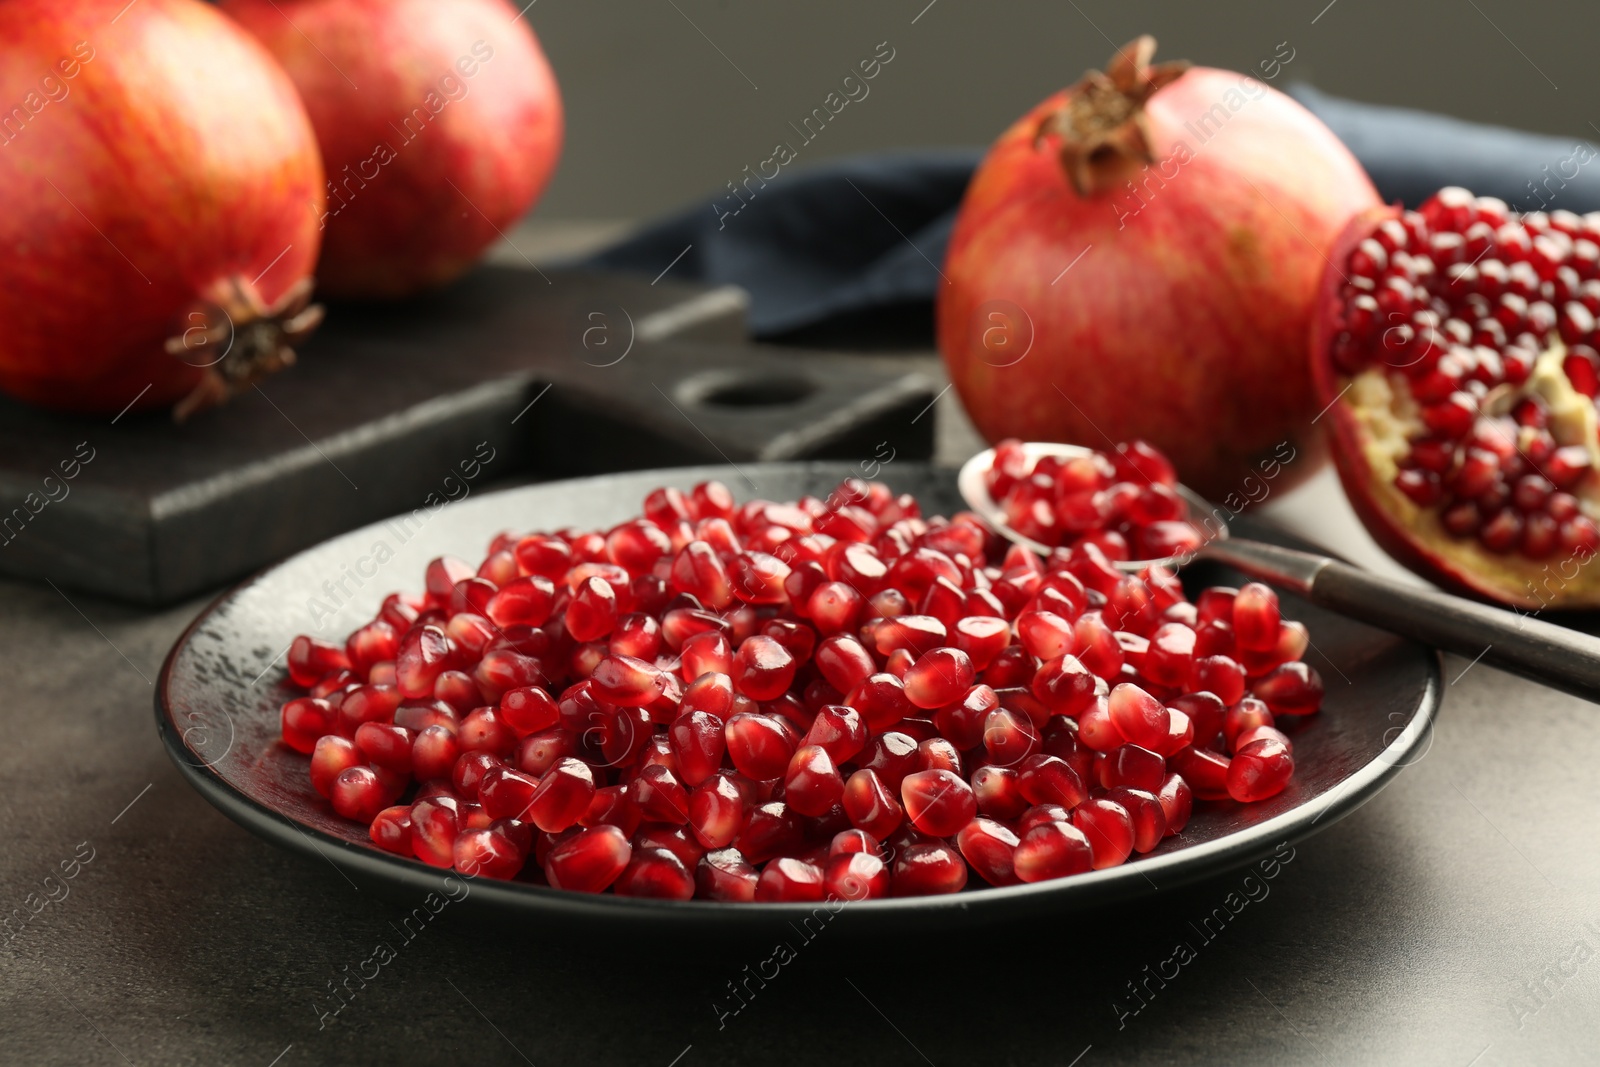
1562, 658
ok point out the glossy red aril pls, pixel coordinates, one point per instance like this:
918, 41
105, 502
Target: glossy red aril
762, 668
870, 803
657, 873
1108, 828
562, 797
938, 678
724, 875
844, 662
789, 879
927, 869
938, 802
1259, 770
839, 730
589, 861
852, 876
1140, 718
425, 653
1292, 689
759, 745
488, 853
812, 784
391, 830
1052, 850
990, 847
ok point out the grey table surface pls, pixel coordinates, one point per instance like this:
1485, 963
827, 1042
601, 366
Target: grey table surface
1453, 920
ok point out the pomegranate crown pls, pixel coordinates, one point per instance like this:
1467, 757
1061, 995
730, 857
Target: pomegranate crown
1103, 133
237, 339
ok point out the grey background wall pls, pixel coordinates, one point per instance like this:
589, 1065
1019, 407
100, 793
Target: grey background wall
668, 99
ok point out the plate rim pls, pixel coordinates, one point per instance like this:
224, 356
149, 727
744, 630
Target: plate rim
1232, 851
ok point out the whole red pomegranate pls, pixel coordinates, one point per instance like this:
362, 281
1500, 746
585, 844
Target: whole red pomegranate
1458, 354
1138, 257
162, 188
439, 121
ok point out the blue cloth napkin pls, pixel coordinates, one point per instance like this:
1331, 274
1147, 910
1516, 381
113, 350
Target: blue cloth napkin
857, 240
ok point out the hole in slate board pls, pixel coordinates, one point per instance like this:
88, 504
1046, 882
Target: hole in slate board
752, 392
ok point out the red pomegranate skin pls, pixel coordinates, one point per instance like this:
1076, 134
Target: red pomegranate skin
440, 123
1186, 321
176, 154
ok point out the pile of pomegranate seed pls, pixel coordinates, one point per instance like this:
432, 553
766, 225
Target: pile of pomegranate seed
1471, 336
1124, 502
791, 701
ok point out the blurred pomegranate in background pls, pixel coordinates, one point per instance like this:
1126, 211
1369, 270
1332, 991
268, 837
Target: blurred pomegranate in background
162, 186
439, 120
1138, 257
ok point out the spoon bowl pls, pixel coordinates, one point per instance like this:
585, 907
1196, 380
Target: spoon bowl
974, 487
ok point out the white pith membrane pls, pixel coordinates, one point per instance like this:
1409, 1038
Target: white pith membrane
1516, 285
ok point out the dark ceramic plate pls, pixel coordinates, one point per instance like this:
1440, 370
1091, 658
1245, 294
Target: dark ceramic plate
223, 684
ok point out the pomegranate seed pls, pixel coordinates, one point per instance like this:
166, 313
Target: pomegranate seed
304, 721
489, 854
716, 812
769, 830
939, 677
990, 848
788, 879
1205, 771
1221, 676
1066, 686
592, 612
1140, 718
425, 653
1149, 817
391, 830
1046, 779
482, 731
724, 875
938, 802
759, 745
839, 730
1259, 770
812, 784
881, 700
1052, 850
588, 861
870, 805
434, 823
1292, 689
998, 792
844, 662
311, 659
856, 876
1009, 737
660, 796
1255, 617
1177, 802
332, 756
434, 753
762, 668
562, 797
656, 873
1108, 828
506, 793
927, 869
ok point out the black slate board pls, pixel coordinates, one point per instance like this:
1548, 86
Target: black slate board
393, 408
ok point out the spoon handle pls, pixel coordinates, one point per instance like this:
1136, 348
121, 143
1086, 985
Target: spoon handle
1561, 658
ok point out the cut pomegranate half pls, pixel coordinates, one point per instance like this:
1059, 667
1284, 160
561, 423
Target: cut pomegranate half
1458, 352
